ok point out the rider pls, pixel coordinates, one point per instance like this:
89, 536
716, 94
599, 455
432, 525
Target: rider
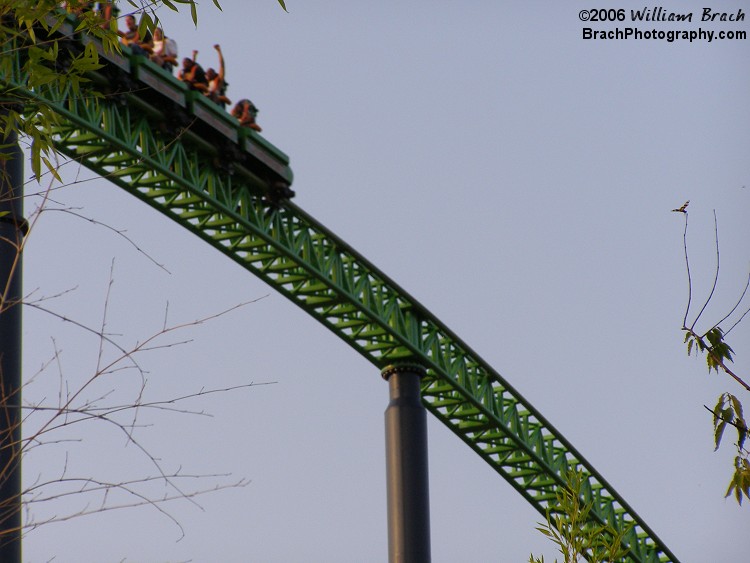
246, 112
217, 85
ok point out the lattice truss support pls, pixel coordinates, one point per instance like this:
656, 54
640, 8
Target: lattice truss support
322, 274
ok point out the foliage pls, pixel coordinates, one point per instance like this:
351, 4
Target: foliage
570, 527
728, 411
48, 60
719, 354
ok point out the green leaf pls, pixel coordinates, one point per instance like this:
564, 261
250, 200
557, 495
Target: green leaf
57, 24
745, 477
52, 169
735, 485
725, 351
718, 407
544, 531
712, 363
715, 336
36, 160
145, 25
718, 433
736, 405
727, 414
194, 12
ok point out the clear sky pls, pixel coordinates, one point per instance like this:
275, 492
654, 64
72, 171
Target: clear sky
514, 178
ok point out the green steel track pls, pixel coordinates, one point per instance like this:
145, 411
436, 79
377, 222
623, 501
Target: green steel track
123, 137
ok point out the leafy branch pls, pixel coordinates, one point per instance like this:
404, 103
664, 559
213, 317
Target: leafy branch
728, 411
719, 354
576, 535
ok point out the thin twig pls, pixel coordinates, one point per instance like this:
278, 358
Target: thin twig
142, 499
82, 326
118, 232
738, 321
716, 277
687, 267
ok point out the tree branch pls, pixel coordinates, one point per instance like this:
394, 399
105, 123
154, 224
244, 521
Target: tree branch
718, 360
716, 276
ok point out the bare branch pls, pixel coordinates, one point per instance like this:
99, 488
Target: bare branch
687, 267
90, 486
84, 402
118, 232
716, 276
90, 410
81, 326
737, 305
738, 321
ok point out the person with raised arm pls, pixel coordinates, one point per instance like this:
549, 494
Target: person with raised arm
217, 84
193, 74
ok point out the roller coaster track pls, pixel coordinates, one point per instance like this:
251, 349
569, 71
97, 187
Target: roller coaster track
155, 140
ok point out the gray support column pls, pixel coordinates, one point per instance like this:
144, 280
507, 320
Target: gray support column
12, 230
406, 467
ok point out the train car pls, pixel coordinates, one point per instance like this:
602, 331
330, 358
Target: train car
261, 150
160, 81
210, 125
177, 110
213, 114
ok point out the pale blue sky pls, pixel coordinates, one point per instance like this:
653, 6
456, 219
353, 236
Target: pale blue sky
515, 179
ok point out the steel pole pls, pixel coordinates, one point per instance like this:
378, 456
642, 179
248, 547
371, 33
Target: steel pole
12, 230
406, 467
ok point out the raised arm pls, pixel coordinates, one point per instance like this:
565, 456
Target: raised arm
221, 61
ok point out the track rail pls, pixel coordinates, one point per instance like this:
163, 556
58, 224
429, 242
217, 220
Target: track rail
288, 249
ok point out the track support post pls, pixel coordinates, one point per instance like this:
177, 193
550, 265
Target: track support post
12, 230
406, 466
